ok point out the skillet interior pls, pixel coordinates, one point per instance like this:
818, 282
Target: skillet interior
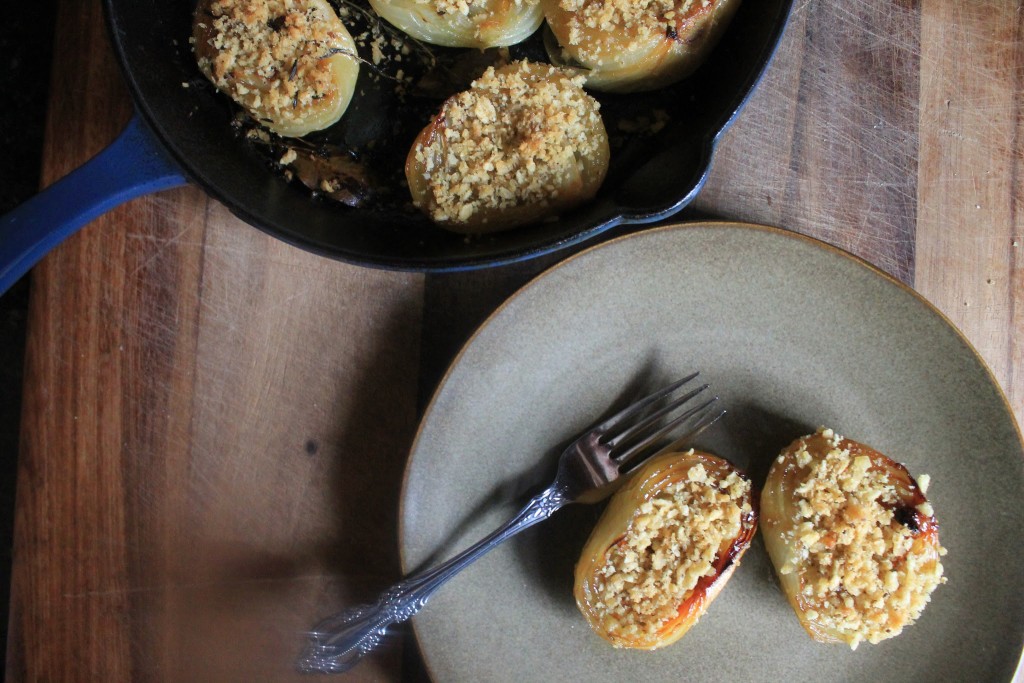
649, 178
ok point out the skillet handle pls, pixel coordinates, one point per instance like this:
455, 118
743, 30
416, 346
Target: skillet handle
133, 165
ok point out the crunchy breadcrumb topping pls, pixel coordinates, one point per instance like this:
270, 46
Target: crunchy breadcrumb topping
271, 55
671, 543
639, 20
862, 572
516, 137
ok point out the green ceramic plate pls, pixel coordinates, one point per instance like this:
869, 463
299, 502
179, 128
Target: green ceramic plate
792, 334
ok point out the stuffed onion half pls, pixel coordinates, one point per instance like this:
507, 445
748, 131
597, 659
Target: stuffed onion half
291, 64
635, 45
524, 143
852, 537
463, 23
664, 548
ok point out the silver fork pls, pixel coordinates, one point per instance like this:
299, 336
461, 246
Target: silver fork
605, 452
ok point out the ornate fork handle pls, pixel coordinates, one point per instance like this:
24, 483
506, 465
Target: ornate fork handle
339, 642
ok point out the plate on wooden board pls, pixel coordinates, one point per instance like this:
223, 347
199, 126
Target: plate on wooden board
792, 334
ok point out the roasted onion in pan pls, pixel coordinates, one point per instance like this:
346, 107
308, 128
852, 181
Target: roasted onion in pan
524, 143
463, 23
664, 548
853, 539
290, 63
635, 45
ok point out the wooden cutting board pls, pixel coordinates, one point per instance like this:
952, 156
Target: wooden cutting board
215, 423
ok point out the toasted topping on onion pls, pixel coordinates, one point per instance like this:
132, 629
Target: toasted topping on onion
852, 537
664, 547
290, 63
523, 143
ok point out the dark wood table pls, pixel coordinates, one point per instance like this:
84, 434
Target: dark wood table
215, 423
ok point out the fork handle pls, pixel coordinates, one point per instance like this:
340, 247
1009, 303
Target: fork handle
340, 641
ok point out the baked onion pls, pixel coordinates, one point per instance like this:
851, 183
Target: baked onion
291, 64
635, 45
853, 539
463, 23
523, 143
665, 546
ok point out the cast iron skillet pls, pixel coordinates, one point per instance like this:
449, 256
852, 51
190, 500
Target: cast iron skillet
184, 132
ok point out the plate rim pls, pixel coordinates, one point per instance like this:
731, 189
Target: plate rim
613, 243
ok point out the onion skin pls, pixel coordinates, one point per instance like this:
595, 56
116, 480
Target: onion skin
614, 523
635, 61
498, 23
779, 517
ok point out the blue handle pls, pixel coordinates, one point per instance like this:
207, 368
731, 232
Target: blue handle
133, 165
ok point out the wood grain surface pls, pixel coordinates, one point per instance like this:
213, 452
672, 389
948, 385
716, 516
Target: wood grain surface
215, 423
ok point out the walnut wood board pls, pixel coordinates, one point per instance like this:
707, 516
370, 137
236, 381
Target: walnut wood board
215, 423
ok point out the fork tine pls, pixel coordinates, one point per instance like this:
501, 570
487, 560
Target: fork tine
655, 431
634, 456
638, 406
703, 422
654, 418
